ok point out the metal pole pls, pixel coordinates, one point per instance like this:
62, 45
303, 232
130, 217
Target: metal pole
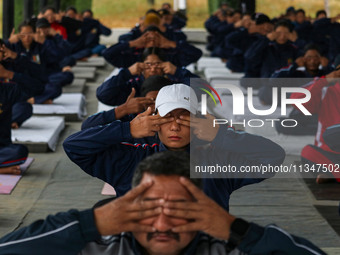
182, 6
326, 3
175, 7
28, 9
7, 18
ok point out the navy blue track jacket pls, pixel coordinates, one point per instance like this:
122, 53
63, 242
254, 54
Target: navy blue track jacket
218, 30
107, 117
239, 42
20, 88
75, 233
116, 90
178, 23
121, 55
170, 33
263, 58
104, 152
265, 92
48, 55
93, 31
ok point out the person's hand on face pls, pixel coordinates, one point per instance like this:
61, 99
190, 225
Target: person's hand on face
165, 43
137, 104
272, 36
146, 124
293, 36
168, 68
300, 61
152, 39
137, 68
202, 128
125, 213
139, 42
14, 38
204, 214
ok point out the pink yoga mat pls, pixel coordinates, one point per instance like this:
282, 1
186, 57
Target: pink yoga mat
8, 181
108, 190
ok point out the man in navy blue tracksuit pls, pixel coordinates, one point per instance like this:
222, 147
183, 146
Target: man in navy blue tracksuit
240, 40
155, 18
104, 151
165, 213
269, 54
310, 62
45, 51
14, 87
125, 54
302, 26
133, 105
95, 30
22, 109
116, 89
306, 66
219, 25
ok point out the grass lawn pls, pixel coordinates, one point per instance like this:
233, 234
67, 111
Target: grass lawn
125, 13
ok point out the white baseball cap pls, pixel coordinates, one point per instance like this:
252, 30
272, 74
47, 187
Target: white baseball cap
176, 96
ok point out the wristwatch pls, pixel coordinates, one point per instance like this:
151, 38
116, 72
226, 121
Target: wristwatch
238, 230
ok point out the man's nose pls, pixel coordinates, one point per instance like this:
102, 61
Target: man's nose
174, 125
162, 223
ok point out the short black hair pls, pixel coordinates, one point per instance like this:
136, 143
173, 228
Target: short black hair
167, 163
48, 8
71, 8
284, 23
311, 46
87, 10
238, 11
154, 83
152, 28
153, 51
301, 10
320, 12
26, 23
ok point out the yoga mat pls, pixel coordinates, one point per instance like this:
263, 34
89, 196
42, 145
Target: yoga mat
108, 190
8, 181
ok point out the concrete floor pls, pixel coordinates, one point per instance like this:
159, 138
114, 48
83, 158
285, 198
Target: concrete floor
53, 183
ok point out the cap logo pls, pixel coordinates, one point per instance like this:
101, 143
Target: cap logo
186, 98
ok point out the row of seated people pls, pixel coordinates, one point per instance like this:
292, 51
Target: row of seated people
273, 54
51, 44
153, 115
152, 30
258, 45
82, 32
43, 54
